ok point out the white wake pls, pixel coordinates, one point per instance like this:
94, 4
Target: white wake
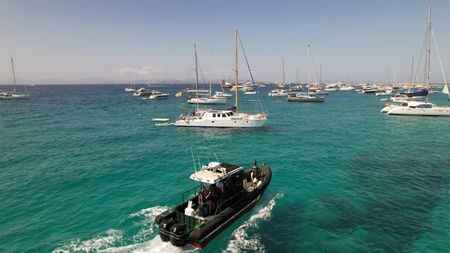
242, 242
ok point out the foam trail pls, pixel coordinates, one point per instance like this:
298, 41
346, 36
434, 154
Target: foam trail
242, 241
100, 242
113, 239
153, 246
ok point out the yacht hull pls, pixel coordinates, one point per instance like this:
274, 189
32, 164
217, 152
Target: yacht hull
434, 111
305, 99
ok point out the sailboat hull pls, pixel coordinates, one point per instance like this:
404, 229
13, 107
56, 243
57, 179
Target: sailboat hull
14, 97
237, 123
207, 101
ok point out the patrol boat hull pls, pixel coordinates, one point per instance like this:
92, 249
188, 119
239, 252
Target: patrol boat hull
200, 231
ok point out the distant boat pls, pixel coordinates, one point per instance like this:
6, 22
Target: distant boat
346, 88
130, 88
278, 93
179, 94
220, 94
206, 100
385, 92
420, 93
13, 95
226, 85
142, 92
162, 122
297, 97
158, 95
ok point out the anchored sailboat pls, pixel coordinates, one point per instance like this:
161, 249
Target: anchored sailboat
229, 118
208, 98
13, 95
423, 108
297, 97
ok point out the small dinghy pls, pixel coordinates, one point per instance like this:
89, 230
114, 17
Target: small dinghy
225, 193
162, 121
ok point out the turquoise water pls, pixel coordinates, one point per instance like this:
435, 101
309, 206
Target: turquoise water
83, 169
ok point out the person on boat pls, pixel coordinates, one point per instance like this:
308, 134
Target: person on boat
210, 198
202, 205
254, 178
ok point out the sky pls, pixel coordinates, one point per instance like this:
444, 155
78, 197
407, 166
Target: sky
87, 41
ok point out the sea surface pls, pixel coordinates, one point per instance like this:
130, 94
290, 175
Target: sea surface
84, 169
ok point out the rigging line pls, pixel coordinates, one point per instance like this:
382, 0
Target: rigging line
193, 160
420, 59
246, 60
439, 56
251, 74
216, 157
314, 65
201, 73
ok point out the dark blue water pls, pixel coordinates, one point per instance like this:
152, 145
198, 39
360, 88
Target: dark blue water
83, 169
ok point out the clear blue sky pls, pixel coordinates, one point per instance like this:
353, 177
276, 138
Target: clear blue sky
52, 41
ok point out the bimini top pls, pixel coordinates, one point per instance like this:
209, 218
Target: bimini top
215, 172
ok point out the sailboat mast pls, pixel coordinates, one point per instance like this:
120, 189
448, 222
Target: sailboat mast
307, 64
284, 73
412, 70
14, 74
210, 71
320, 73
236, 65
428, 63
196, 73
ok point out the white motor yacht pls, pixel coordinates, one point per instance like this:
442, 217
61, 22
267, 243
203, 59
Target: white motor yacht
418, 108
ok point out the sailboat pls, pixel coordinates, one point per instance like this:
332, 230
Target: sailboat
422, 108
209, 99
228, 118
280, 88
13, 95
297, 97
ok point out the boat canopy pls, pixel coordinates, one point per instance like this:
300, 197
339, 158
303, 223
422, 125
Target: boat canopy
215, 172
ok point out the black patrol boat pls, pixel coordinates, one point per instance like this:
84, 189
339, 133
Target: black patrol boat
225, 193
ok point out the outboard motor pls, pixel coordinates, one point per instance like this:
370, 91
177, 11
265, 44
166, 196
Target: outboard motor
165, 226
178, 229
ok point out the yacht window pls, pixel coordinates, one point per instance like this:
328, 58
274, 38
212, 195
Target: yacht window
224, 116
214, 115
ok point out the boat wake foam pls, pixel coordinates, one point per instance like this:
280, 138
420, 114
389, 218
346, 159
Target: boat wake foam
109, 239
113, 240
242, 242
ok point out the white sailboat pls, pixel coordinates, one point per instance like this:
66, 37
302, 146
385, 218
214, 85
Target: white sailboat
207, 99
13, 95
229, 118
280, 90
423, 108
297, 97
